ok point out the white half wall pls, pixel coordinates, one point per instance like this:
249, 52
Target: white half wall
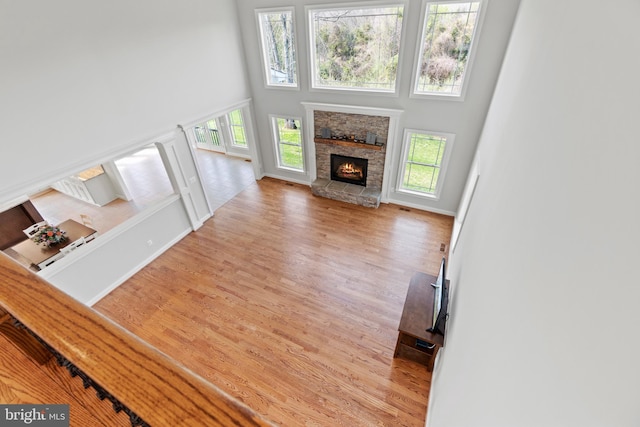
95, 269
543, 327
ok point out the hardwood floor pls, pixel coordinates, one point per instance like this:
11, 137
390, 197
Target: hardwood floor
291, 303
224, 176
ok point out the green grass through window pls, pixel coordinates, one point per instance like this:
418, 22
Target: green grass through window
290, 143
422, 167
237, 128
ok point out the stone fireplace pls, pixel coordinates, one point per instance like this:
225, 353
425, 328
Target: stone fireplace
347, 141
364, 133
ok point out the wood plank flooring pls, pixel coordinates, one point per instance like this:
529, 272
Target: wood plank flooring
223, 176
291, 303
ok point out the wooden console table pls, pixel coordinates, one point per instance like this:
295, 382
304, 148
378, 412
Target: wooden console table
414, 342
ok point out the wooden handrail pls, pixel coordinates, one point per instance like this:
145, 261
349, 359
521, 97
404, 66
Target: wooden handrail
148, 382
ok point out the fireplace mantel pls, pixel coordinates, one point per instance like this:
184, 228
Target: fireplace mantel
346, 143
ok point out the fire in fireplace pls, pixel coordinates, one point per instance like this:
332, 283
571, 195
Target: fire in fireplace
352, 170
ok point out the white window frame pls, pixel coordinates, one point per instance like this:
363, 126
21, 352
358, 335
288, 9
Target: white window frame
406, 143
472, 52
229, 125
312, 49
264, 55
273, 120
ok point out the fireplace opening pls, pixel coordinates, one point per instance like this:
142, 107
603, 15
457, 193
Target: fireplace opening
352, 170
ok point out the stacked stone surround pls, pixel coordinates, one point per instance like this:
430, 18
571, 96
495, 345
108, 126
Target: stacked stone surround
358, 125
351, 124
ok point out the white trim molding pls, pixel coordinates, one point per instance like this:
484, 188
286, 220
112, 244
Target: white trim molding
189, 123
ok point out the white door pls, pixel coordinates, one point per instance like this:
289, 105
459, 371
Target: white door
208, 136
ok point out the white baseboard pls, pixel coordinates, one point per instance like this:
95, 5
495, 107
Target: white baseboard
289, 179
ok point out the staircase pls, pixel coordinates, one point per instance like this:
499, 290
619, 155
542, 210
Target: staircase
30, 374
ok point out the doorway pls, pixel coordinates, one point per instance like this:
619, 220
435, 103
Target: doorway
207, 136
226, 153
226, 133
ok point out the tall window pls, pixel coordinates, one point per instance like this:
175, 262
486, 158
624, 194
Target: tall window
423, 160
236, 124
287, 134
355, 48
278, 47
447, 39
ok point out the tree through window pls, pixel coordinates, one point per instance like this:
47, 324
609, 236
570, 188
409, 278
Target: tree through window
355, 48
278, 47
447, 40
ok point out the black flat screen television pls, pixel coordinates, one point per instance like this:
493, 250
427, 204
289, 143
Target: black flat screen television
440, 301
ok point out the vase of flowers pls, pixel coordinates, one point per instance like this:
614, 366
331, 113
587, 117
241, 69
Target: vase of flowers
49, 235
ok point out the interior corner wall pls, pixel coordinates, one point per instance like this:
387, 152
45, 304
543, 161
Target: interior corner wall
81, 78
544, 320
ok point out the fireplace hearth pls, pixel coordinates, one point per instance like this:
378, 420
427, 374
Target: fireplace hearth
352, 170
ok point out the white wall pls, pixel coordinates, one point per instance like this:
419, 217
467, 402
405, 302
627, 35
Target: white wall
81, 78
81, 81
464, 119
544, 321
